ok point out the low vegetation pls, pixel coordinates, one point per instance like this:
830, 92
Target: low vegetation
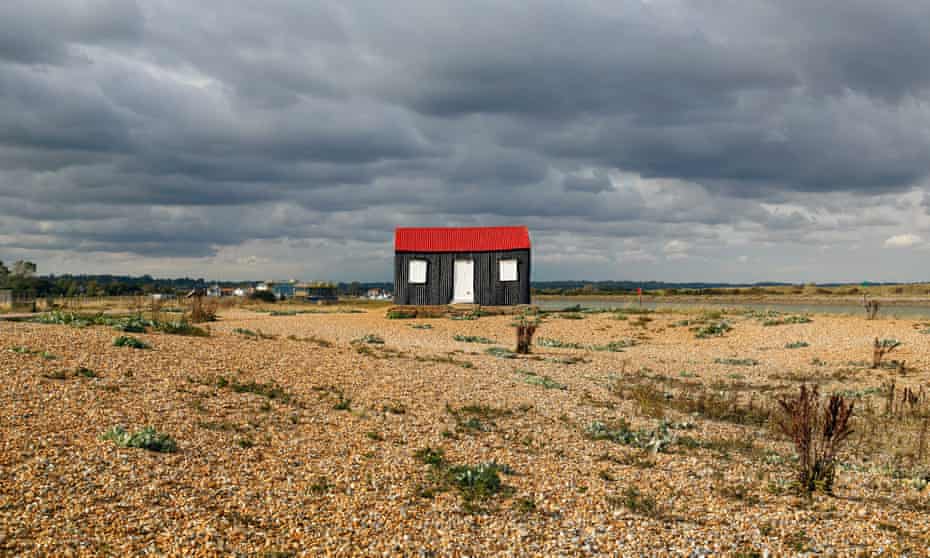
476, 485
473, 339
733, 361
147, 438
126, 324
270, 390
253, 334
656, 440
525, 329
882, 348
500, 352
819, 430
368, 339
717, 329
786, 321
529, 377
401, 314
129, 341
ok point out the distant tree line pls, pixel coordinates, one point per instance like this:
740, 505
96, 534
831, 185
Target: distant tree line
22, 276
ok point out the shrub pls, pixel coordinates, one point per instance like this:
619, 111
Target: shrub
882, 348
129, 341
871, 307
203, 310
147, 438
264, 296
477, 482
526, 329
818, 432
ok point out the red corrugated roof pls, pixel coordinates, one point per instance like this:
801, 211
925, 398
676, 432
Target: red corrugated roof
461, 239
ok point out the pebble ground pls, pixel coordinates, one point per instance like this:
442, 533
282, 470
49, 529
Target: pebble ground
301, 474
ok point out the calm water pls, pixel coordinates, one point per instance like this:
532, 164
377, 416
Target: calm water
902, 311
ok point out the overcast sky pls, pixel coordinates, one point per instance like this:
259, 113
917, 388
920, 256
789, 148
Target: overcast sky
731, 140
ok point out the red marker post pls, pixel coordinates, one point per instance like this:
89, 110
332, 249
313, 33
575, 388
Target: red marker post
639, 291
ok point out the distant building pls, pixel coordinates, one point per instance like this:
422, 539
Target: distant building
475, 265
281, 289
317, 292
378, 294
214, 290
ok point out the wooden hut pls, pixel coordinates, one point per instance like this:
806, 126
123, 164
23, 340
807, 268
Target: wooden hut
489, 266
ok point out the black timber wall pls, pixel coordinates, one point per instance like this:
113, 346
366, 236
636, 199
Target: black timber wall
489, 291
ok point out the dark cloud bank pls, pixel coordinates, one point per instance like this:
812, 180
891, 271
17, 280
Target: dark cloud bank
698, 140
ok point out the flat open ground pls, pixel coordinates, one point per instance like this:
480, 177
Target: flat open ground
292, 439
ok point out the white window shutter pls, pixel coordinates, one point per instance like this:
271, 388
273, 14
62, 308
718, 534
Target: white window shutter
417, 271
508, 270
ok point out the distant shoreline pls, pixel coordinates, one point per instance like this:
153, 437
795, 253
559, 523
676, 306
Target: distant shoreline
817, 300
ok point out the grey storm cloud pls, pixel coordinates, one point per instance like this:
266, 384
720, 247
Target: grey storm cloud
194, 134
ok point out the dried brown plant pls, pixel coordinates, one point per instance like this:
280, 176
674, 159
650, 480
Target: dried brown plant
818, 431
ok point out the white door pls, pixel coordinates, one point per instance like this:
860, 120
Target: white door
463, 283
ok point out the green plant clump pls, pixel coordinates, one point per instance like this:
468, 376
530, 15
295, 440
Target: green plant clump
797, 345
477, 482
430, 456
500, 352
129, 341
370, 339
542, 381
474, 339
557, 343
401, 315
147, 438
712, 330
657, 440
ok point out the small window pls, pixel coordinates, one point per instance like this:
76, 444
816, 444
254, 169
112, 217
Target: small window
417, 272
508, 270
